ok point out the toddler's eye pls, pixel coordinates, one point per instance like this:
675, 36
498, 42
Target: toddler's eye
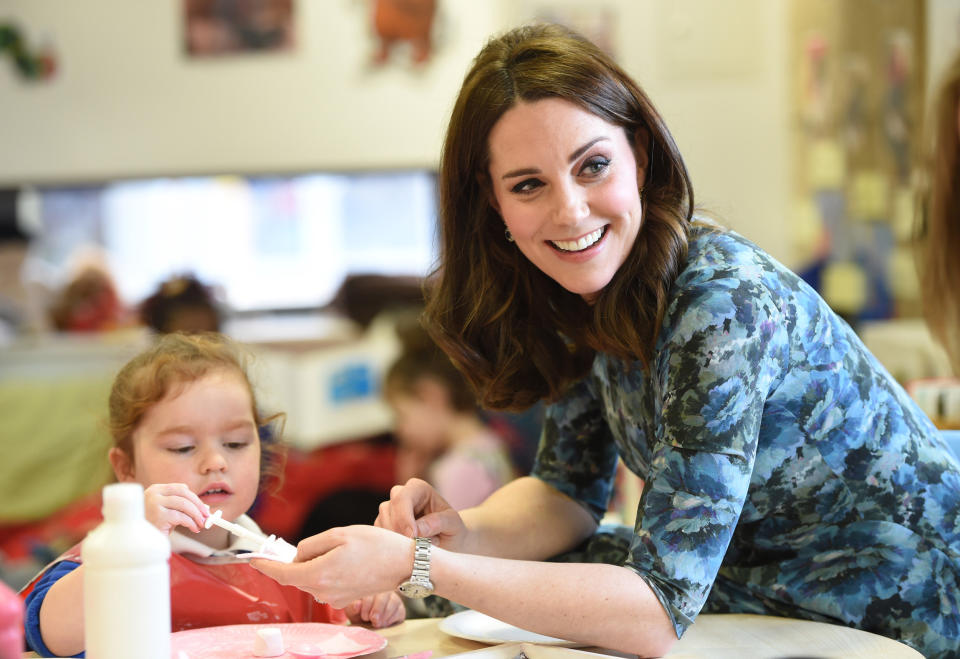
237, 444
180, 449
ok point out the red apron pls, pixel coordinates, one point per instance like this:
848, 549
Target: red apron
232, 594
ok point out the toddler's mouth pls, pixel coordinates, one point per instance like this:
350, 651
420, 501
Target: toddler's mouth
215, 492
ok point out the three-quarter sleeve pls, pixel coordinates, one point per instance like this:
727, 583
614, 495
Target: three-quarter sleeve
718, 360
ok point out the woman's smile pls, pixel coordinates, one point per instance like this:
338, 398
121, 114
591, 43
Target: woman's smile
581, 244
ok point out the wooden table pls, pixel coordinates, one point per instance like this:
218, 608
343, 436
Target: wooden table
740, 636
731, 636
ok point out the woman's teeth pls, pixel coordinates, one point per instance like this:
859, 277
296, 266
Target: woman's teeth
578, 245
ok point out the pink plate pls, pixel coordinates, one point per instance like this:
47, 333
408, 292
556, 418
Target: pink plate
232, 641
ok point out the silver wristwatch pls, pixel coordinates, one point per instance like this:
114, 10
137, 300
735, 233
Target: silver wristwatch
419, 584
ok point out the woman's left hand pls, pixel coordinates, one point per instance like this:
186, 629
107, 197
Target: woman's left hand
345, 564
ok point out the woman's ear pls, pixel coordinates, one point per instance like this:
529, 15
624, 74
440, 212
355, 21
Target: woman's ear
122, 465
641, 150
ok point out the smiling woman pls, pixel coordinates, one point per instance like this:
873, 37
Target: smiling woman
784, 471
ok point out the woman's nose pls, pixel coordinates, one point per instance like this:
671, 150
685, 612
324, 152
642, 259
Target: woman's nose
571, 204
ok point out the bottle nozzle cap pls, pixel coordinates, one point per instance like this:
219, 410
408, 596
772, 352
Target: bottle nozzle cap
122, 501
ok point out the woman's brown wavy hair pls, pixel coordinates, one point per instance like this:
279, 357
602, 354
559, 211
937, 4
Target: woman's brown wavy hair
939, 257
516, 334
172, 362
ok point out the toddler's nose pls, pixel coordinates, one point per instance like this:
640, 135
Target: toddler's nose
213, 461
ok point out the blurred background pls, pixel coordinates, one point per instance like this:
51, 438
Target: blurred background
267, 168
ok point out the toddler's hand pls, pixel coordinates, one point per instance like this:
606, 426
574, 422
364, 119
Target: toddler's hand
381, 610
169, 505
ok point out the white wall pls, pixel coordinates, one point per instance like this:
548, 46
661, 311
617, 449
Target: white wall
127, 102
943, 38
719, 73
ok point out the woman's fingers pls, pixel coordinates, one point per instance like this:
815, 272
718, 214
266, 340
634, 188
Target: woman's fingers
318, 545
406, 503
306, 571
397, 514
435, 525
345, 564
288, 574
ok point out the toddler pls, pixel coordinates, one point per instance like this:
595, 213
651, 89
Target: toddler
441, 437
185, 426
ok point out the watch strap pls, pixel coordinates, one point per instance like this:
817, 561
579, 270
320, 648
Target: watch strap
421, 559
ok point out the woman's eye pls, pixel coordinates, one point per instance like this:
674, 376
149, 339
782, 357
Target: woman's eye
595, 166
526, 186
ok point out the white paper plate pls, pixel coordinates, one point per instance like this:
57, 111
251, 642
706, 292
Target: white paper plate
475, 626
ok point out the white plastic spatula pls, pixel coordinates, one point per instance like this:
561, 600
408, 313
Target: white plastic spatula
272, 547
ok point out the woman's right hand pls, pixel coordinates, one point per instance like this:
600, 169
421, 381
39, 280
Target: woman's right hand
169, 505
415, 509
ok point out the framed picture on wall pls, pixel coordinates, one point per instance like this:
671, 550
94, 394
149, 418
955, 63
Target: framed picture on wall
227, 27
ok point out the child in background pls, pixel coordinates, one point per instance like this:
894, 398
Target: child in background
441, 437
88, 303
182, 304
185, 426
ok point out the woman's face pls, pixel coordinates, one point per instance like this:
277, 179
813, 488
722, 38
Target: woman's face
566, 184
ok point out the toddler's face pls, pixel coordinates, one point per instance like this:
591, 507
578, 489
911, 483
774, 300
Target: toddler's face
203, 434
418, 422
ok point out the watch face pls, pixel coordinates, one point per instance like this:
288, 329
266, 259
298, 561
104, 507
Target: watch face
415, 590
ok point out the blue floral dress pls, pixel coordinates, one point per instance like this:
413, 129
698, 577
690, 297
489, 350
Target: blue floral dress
785, 471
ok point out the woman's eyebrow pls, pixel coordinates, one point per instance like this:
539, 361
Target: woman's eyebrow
573, 156
579, 152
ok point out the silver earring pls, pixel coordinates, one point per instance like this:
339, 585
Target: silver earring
509, 236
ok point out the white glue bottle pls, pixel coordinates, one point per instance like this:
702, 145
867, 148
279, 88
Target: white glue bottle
126, 581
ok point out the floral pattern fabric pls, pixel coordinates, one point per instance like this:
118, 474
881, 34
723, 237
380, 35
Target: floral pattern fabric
785, 471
